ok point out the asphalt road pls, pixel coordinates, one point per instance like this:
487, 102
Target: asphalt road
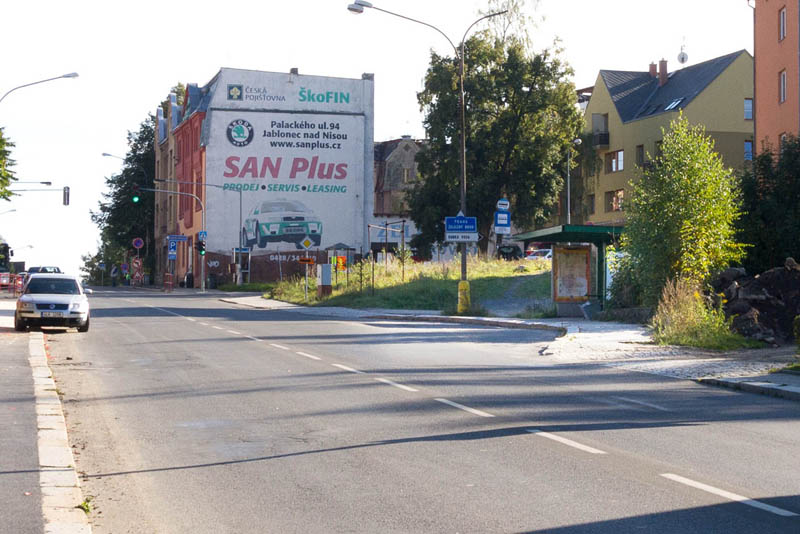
187, 414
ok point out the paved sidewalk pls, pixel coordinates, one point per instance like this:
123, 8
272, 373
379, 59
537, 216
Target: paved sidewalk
619, 345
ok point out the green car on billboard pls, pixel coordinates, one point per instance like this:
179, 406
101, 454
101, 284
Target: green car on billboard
287, 221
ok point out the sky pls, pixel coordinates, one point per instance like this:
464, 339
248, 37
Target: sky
129, 54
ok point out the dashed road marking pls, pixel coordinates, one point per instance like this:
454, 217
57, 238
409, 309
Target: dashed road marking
204, 324
234, 332
395, 384
190, 319
279, 346
253, 338
348, 369
311, 356
473, 411
217, 327
565, 441
729, 495
648, 404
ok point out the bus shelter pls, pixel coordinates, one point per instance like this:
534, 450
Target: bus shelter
599, 236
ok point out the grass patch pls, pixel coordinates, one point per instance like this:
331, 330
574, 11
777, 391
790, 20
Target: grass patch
684, 318
431, 286
86, 506
260, 287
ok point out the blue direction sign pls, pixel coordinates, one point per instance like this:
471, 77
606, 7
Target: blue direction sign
460, 223
177, 238
461, 229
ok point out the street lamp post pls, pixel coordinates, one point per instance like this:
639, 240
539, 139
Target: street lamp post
576, 142
239, 230
203, 212
358, 7
70, 75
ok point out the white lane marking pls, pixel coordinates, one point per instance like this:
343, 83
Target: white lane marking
234, 332
217, 327
308, 355
473, 411
278, 346
649, 405
190, 319
565, 441
349, 369
253, 338
204, 324
395, 384
729, 495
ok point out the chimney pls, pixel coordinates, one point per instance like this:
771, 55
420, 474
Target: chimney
653, 72
662, 72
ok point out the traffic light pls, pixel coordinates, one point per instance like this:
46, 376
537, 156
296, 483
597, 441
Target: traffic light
201, 248
135, 194
66, 195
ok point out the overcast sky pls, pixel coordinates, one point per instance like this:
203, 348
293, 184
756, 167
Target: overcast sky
129, 54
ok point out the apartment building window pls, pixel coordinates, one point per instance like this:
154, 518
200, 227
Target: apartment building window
748, 109
590, 202
782, 24
640, 155
782, 86
615, 161
406, 176
614, 200
748, 150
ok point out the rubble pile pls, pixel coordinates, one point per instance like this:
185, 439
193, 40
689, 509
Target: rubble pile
764, 306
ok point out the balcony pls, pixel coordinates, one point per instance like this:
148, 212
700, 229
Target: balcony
600, 139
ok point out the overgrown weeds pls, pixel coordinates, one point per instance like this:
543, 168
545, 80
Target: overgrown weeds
418, 286
683, 317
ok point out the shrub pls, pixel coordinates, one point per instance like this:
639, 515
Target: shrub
683, 317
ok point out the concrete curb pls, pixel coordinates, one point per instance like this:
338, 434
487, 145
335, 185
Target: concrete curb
771, 389
61, 492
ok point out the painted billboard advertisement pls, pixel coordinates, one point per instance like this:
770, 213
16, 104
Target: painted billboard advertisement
289, 174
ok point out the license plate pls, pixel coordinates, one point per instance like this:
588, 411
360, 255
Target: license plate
294, 230
52, 314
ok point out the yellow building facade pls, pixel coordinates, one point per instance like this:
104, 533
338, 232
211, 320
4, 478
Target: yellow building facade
628, 113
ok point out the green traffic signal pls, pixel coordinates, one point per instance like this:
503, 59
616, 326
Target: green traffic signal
135, 194
136, 198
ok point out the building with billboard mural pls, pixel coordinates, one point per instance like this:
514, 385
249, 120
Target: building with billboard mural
280, 162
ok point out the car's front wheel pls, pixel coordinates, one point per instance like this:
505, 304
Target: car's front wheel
84, 327
20, 324
262, 239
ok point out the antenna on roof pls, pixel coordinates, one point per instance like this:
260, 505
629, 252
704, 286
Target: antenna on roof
683, 57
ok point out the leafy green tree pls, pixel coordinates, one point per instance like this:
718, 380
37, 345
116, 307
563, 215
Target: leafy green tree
6, 173
680, 220
771, 204
520, 120
119, 218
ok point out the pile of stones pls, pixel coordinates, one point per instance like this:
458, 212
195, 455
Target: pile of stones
763, 306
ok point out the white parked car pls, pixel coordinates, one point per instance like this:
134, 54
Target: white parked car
539, 254
52, 299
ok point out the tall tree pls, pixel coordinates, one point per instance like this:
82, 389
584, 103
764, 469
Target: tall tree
119, 218
520, 120
681, 215
6, 173
771, 195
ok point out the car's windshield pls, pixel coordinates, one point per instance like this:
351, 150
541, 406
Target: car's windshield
268, 207
55, 286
